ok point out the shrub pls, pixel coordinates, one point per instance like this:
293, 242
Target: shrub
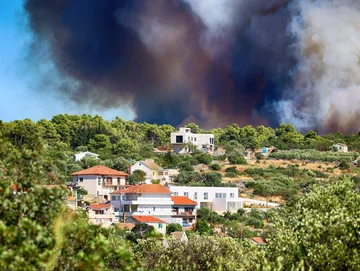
173, 227
155, 181
236, 159
215, 167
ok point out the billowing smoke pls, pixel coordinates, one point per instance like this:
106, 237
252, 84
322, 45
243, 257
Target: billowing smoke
214, 62
326, 83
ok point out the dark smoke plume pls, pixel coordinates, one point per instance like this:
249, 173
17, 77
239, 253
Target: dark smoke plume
211, 61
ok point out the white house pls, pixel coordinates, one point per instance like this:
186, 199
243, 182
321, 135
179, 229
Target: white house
146, 199
100, 213
100, 181
184, 208
340, 147
153, 171
205, 196
180, 140
81, 155
158, 224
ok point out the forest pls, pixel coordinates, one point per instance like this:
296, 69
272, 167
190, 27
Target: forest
315, 231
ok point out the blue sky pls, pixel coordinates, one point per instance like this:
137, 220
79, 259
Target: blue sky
19, 98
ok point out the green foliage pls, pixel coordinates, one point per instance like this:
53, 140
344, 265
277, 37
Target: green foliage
137, 177
202, 227
320, 230
142, 229
155, 181
203, 158
37, 231
82, 191
344, 165
215, 167
172, 227
236, 158
313, 155
185, 166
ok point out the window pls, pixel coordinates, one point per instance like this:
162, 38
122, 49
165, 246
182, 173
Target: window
186, 194
81, 179
101, 212
220, 195
195, 195
99, 181
231, 195
153, 209
176, 193
206, 195
179, 139
113, 197
160, 226
192, 139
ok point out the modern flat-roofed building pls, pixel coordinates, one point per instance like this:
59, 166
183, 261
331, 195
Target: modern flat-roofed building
182, 140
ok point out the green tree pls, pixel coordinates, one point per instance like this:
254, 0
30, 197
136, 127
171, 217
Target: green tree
172, 227
137, 177
185, 166
320, 230
142, 229
202, 227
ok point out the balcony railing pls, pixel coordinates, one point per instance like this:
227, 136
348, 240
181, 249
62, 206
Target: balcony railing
187, 213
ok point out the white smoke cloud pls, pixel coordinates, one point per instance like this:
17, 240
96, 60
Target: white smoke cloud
326, 90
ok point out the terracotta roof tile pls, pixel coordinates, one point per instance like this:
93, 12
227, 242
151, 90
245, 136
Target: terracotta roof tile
99, 206
182, 200
258, 240
144, 189
99, 170
147, 219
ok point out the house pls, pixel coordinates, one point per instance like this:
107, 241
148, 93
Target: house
100, 213
146, 199
257, 241
158, 224
180, 235
182, 141
184, 208
340, 147
168, 174
153, 171
100, 181
233, 204
205, 196
81, 155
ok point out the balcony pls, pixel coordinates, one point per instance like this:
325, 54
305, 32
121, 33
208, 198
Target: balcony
183, 214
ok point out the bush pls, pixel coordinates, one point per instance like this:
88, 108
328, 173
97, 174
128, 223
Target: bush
215, 167
204, 158
172, 227
236, 159
155, 181
344, 165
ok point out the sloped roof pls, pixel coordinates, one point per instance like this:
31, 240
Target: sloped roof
128, 226
147, 219
99, 206
144, 189
177, 234
182, 200
258, 240
152, 165
99, 170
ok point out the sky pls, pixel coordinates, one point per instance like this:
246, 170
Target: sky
19, 97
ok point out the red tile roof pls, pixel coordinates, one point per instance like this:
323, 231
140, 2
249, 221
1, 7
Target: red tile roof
99, 170
258, 240
182, 200
99, 206
144, 189
147, 219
